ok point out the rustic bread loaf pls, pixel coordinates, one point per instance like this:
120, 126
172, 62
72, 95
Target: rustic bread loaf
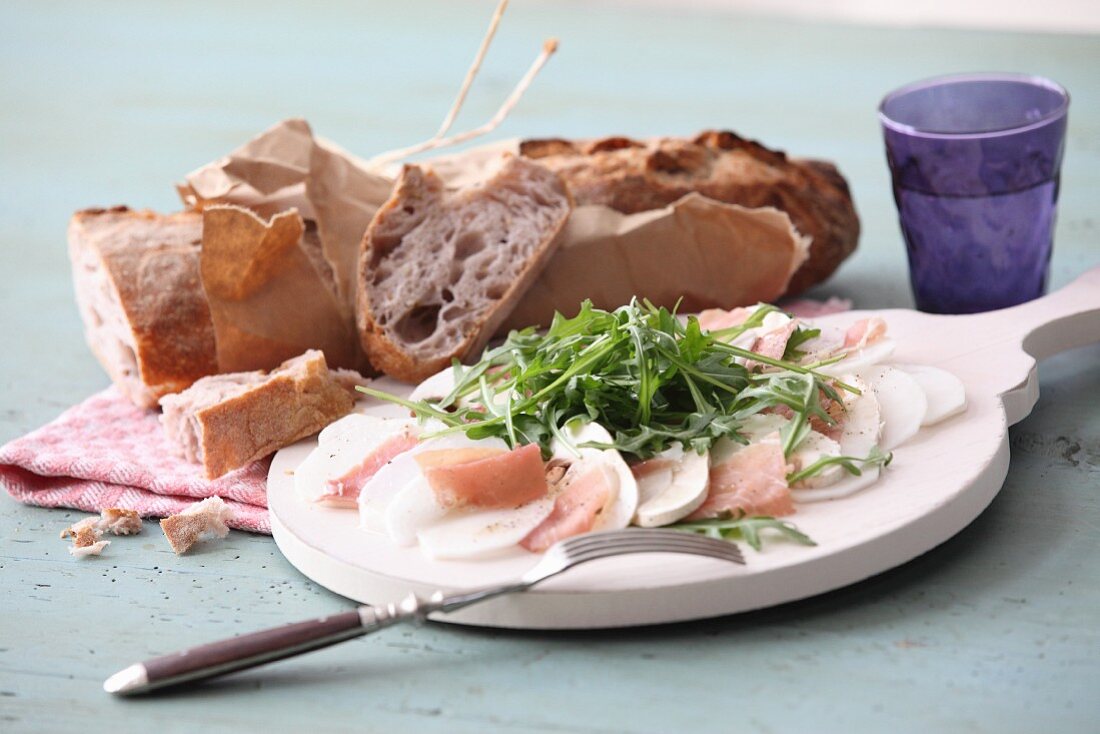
439, 270
633, 176
136, 275
227, 421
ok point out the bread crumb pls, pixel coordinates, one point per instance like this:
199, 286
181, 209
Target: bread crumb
91, 549
86, 532
77, 528
86, 535
200, 520
121, 522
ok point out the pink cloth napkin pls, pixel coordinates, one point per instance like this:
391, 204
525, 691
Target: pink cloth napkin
106, 452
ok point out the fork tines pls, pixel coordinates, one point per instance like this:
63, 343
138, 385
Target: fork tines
643, 540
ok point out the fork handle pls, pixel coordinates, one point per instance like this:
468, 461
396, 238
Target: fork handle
238, 653
267, 646
258, 648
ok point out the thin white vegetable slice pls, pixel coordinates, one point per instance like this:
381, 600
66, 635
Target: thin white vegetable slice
483, 533
901, 401
945, 393
682, 495
859, 359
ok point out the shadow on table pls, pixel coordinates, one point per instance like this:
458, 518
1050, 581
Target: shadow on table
284, 678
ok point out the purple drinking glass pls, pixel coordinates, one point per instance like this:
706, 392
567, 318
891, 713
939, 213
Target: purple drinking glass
975, 161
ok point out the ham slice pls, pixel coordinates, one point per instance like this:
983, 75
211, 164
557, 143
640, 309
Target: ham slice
753, 481
773, 343
864, 332
576, 509
343, 490
486, 478
714, 319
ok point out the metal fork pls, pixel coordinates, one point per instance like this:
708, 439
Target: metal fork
265, 646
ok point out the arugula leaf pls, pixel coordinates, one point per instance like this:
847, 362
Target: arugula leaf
745, 528
755, 319
651, 379
800, 336
874, 458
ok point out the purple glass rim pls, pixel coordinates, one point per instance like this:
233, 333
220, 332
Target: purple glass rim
946, 79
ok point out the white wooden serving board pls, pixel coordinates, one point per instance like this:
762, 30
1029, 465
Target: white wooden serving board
937, 484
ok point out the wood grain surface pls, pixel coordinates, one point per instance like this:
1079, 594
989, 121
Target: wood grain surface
112, 102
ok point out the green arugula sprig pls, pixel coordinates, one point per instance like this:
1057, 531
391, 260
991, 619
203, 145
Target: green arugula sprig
649, 378
744, 528
793, 351
874, 458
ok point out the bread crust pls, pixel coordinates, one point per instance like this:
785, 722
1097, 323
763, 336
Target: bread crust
142, 268
426, 189
632, 176
263, 412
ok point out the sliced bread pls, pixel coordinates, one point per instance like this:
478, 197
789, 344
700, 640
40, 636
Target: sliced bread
227, 421
440, 269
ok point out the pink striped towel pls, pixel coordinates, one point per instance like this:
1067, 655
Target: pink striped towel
105, 452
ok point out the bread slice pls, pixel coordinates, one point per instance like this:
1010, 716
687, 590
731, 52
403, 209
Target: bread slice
227, 421
205, 519
633, 176
136, 276
440, 269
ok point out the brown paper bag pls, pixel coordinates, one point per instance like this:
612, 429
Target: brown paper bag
287, 167
345, 197
697, 251
270, 290
267, 174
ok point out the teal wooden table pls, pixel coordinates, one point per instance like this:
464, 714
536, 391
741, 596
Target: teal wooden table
104, 103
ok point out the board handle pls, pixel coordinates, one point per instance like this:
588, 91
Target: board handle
1065, 319
1018, 336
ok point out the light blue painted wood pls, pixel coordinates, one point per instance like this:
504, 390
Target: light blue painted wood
111, 102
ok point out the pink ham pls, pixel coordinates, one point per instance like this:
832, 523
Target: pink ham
576, 509
773, 343
714, 319
753, 481
485, 478
343, 491
864, 332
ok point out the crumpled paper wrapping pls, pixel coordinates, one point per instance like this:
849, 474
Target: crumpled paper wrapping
267, 174
271, 292
301, 294
697, 251
345, 196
